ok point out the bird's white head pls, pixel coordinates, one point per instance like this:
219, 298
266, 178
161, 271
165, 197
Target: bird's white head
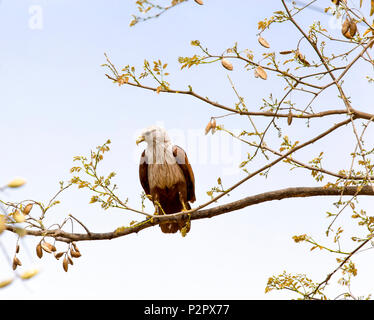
154, 135
159, 147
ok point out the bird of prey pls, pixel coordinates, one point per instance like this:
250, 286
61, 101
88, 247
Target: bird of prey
166, 176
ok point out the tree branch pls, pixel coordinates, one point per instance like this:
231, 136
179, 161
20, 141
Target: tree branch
357, 113
296, 192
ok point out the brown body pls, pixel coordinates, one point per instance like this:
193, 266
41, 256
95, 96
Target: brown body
171, 186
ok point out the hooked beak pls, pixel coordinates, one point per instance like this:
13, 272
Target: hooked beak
140, 139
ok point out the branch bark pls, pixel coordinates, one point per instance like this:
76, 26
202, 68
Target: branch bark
296, 192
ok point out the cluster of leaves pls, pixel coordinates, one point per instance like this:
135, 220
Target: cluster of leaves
102, 187
155, 71
297, 283
151, 9
346, 266
317, 163
216, 189
278, 17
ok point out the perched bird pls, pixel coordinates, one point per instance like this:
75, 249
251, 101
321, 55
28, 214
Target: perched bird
166, 176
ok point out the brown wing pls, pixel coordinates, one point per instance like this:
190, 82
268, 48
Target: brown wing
184, 164
143, 173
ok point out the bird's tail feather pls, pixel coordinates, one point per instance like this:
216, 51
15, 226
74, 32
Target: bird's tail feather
173, 227
169, 227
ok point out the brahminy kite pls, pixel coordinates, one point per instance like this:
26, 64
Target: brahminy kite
166, 176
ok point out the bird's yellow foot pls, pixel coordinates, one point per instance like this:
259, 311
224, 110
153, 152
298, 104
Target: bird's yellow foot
158, 208
184, 206
185, 229
149, 196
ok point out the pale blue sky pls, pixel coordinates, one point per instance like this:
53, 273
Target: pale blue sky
56, 103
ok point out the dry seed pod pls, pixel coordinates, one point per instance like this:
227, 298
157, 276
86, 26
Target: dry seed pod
65, 264
263, 42
39, 251
345, 26
16, 262
289, 118
352, 28
17, 248
70, 261
301, 58
27, 209
208, 127
75, 254
75, 246
214, 124
47, 247
348, 34
286, 52
260, 72
227, 64
200, 2
58, 255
